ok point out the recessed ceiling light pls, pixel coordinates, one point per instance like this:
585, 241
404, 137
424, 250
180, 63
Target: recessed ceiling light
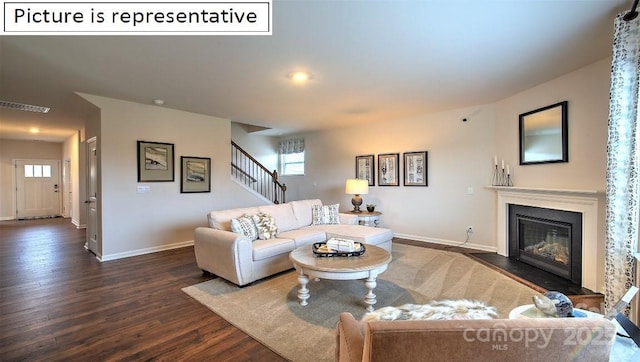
24, 107
158, 102
299, 77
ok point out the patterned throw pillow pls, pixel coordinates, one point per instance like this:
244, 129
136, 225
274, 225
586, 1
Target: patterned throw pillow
267, 228
245, 225
325, 214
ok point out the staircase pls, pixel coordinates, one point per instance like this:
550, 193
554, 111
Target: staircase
252, 174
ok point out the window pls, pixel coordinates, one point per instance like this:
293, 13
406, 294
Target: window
37, 170
292, 157
292, 163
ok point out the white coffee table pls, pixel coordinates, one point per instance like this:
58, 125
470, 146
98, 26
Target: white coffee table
367, 266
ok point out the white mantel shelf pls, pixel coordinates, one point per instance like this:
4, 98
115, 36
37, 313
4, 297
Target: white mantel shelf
546, 191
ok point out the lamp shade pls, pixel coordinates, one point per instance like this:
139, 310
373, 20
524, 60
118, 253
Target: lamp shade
356, 186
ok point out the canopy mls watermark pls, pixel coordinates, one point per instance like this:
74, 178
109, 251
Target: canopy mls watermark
138, 18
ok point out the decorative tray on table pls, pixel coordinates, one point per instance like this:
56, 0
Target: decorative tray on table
329, 249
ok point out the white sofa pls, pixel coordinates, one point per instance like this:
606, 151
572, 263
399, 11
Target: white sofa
240, 260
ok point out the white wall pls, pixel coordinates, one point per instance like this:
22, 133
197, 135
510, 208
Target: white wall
164, 218
70, 152
587, 93
459, 156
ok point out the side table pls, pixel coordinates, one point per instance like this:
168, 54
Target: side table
366, 218
516, 312
623, 349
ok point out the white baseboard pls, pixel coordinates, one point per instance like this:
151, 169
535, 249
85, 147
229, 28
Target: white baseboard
7, 218
154, 249
490, 249
78, 225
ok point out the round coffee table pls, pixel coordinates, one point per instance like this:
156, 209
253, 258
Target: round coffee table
367, 266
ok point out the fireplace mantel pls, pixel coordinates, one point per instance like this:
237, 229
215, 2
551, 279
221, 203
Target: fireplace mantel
544, 190
582, 201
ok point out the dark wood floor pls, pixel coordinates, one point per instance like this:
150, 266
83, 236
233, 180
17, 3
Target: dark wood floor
58, 302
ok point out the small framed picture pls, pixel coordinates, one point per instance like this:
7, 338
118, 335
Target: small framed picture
415, 168
388, 169
365, 168
195, 174
155, 162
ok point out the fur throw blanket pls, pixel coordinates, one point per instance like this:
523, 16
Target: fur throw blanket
444, 309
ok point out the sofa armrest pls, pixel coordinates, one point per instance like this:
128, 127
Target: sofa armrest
349, 339
224, 253
348, 219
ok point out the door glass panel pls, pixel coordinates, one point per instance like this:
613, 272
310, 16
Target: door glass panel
46, 170
37, 170
28, 170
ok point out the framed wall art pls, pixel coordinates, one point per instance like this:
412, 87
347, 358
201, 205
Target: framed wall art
415, 168
195, 174
365, 168
155, 162
388, 169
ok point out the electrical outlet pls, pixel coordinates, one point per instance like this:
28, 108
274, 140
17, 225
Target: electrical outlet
469, 229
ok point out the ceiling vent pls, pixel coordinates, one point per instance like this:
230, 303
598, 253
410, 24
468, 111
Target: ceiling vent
23, 107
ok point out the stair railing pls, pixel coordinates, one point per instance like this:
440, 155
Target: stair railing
251, 173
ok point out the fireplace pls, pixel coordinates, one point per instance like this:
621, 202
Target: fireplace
588, 203
548, 239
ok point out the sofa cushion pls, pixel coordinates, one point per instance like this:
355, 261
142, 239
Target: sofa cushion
245, 225
302, 210
267, 228
303, 237
221, 220
325, 214
264, 249
282, 214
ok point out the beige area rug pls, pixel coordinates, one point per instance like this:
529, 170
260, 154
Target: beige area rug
269, 309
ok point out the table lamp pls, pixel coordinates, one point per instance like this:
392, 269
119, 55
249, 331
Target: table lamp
357, 187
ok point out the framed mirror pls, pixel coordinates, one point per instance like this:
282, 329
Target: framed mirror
544, 135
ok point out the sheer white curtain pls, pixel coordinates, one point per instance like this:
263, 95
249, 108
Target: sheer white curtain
622, 161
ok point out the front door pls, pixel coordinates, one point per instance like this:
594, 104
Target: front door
37, 188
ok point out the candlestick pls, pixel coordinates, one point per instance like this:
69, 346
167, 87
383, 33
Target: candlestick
495, 181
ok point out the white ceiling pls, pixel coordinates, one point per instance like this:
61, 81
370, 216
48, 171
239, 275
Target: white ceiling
370, 61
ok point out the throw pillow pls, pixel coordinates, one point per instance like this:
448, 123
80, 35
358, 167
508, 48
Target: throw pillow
245, 225
267, 228
325, 214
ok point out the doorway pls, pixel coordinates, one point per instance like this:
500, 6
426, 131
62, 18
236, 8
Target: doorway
37, 192
92, 196
67, 190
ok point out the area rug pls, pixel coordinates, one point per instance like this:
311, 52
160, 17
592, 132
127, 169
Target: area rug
269, 311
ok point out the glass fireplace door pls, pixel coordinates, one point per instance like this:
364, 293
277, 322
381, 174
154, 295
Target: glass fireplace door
546, 245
